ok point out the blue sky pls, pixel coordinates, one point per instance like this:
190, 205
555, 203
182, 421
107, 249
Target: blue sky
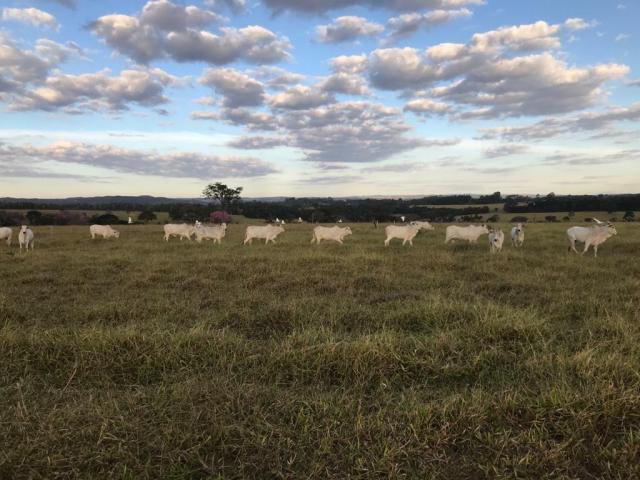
318, 97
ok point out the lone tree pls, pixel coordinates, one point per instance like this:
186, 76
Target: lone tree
225, 195
629, 216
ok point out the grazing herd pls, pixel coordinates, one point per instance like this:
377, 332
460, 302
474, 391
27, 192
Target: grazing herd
592, 236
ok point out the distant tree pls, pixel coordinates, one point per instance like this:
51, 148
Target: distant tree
220, 216
519, 219
629, 216
551, 218
69, 218
34, 217
10, 218
226, 196
493, 219
105, 219
147, 216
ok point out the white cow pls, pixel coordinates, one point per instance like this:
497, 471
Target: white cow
406, 233
104, 231
334, 233
496, 239
517, 235
25, 238
595, 236
423, 225
469, 233
215, 233
268, 232
181, 230
6, 234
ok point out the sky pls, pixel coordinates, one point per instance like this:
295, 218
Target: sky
318, 97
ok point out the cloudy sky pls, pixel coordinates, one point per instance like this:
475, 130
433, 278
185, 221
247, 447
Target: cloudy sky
319, 97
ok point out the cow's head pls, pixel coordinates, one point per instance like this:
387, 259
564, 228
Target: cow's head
484, 228
612, 229
116, 233
24, 228
347, 231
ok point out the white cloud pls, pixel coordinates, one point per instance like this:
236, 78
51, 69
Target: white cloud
164, 29
237, 88
408, 23
323, 6
31, 16
136, 162
347, 28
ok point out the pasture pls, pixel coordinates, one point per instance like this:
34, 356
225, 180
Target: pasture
136, 358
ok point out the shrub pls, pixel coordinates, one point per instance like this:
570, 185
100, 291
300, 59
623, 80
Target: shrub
551, 218
493, 219
220, 216
629, 216
105, 219
519, 219
10, 218
69, 218
147, 216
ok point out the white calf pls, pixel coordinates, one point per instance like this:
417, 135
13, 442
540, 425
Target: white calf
469, 234
334, 233
268, 232
590, 236
6, 234
517, 235
104, 231
215, 233
406, 233
181, 230
496, 239
25, 238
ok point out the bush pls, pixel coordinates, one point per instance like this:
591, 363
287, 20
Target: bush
147, 216
551, 218
493, 219
220, 216
519, 219
105, 219
629, 216
10, 218
69, 218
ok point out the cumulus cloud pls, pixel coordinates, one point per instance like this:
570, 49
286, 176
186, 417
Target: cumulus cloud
353, 132
31, 16
347, 28
300, 97
240, 117
237, 88
276, 77
96, 91
409, 23
323, 6
487, 81
233, 5
505, 150
257, 143
136, 162
427, 107
164, 29
349, 63
27, 66
346, 83
553, 126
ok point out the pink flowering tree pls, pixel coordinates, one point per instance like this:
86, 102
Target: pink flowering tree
220, 216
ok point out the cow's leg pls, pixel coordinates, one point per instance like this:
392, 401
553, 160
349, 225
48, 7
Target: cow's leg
595, 251
586, 247
386, 241
411, 242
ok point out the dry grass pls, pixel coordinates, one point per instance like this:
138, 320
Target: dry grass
138, 358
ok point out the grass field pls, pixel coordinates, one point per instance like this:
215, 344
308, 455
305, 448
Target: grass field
138, 358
